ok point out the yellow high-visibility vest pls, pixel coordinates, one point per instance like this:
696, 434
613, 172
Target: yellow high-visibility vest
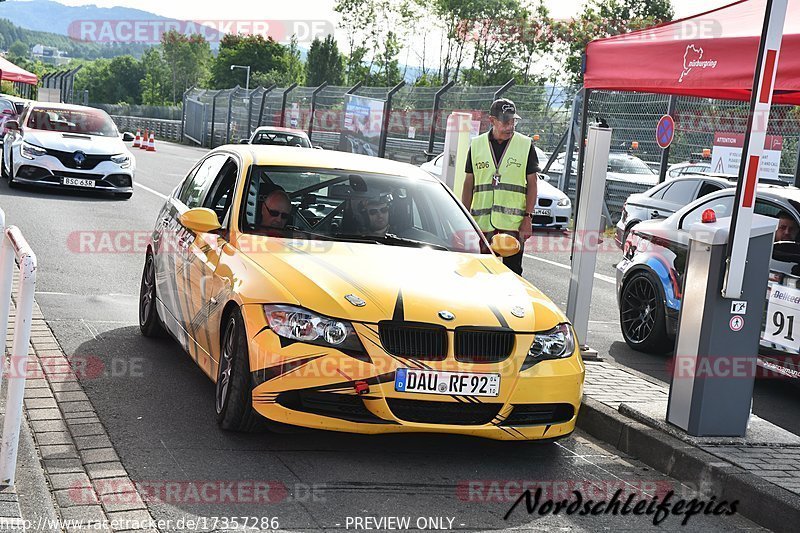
499, 194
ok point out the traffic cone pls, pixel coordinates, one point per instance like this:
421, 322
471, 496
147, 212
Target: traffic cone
151, 144
143, 146
137, 142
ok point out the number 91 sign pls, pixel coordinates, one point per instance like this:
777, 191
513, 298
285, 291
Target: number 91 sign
783, 317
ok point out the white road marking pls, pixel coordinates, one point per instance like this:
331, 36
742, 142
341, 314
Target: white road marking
601, 277
148, 189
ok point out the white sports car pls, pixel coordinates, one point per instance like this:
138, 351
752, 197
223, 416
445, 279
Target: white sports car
61, 145
553, 207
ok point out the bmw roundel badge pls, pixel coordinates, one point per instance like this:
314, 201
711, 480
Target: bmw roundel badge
446, 315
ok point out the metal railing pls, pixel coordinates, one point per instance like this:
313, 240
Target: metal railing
14, 246
166, 130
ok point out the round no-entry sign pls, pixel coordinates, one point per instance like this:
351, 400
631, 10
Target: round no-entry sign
665, 131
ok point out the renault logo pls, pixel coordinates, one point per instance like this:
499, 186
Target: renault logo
79, 158
446, 315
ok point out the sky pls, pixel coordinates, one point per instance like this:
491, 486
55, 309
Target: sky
183, 9
323, 10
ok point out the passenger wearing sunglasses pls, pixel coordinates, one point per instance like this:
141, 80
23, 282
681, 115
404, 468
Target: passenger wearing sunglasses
276, 210
377, 217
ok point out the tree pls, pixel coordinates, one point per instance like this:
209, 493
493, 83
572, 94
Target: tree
604, 18
18, 49
388, 72
187, 58
324, 63
155, 85
260, 54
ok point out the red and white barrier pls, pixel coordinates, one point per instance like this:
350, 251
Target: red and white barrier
14, 246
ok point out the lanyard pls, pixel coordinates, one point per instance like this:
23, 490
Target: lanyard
496, 177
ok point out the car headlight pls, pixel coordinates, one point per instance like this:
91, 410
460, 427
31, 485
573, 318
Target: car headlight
30, 151
123, 160
557, 343
296, 323
564, 202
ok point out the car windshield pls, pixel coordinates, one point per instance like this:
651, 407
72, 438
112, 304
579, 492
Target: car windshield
629, 165
280, 139
84, 121
356, 207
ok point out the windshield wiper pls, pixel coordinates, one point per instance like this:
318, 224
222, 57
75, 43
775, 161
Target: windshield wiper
336, 237
391, 237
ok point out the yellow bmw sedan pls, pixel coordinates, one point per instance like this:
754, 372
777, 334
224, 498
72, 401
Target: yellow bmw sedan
351, 293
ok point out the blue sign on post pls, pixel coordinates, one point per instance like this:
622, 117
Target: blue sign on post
665, 131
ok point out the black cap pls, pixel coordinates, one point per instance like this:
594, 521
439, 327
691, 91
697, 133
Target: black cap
503, 109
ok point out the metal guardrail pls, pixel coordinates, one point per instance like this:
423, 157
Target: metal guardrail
14, 246
168, 130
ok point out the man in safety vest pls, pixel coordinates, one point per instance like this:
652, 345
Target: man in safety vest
500, 185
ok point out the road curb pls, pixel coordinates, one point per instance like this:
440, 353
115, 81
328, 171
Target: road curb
761, 501
83, 472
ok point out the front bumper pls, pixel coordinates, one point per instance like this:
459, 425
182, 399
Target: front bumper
309, 386
50, 172
559, 216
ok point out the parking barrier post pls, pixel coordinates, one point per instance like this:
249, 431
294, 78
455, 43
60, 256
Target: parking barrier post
14, 243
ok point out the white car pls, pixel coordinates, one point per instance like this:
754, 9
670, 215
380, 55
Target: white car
621, 167
70, 146
688, 167
277, 136
553, 207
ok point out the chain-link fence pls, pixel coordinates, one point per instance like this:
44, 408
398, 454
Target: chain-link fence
414, 116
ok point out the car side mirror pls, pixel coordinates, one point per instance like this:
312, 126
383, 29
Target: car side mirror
8, 112
505, 245
786, 251
128, 137
200, 220
317, 147
12, 125
244, 141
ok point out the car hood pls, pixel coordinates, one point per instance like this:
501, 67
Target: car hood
546, 190
402, 283
69, 142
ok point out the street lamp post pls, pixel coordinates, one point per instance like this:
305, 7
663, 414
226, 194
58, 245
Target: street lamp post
247, 83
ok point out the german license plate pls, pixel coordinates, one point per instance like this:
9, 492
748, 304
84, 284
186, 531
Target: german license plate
542, 212
77, 182
455, 383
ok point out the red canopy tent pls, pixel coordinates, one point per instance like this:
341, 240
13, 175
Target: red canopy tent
711, 55
11, 72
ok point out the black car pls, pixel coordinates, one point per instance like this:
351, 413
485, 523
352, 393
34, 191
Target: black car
650, 275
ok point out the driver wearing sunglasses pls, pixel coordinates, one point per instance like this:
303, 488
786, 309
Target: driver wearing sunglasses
276, 210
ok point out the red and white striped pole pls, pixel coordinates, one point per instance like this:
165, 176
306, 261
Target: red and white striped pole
757, 121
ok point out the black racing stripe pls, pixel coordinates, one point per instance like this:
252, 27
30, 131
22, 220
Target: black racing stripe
546, 430
499, 316
262, 330
505, 430
374, 380
266, 374
399, 314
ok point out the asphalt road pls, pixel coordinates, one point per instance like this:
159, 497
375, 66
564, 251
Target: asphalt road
158, 407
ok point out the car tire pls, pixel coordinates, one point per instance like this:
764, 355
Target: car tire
234, 388
642, 315
149, 321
